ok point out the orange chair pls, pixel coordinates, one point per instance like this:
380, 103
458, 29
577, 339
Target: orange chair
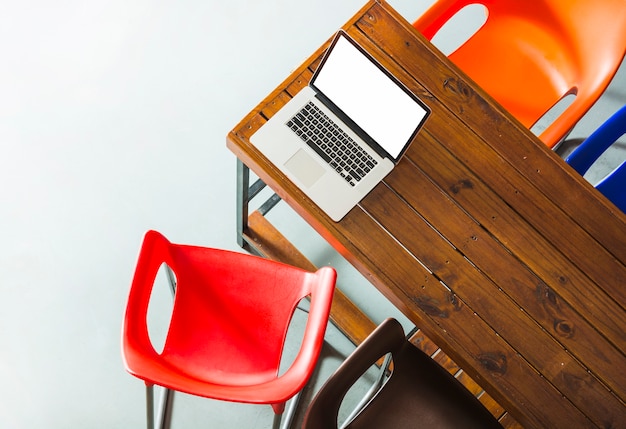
229, 321
529, 56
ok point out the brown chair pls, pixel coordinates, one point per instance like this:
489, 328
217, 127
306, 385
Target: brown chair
418, 394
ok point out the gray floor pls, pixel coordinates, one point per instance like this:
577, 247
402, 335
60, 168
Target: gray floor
113, 118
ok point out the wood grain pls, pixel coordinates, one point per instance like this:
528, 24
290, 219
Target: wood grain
505, 257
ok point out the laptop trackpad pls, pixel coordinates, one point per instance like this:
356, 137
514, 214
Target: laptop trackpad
305, 168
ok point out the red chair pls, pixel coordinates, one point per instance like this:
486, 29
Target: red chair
229, 320
529, 56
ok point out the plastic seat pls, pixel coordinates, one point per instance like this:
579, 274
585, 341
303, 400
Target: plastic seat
418, 394
530, 56
613, 186
228, 325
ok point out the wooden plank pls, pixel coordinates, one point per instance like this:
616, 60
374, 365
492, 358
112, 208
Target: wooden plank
562, 317
422, 342
508, 422
584, 289
490, 359
488, 302
496, 409
300, 82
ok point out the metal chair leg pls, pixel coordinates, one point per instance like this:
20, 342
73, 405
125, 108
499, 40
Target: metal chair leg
150, 406
284, 420
380, 380
245, 193
243, 197
165, 409
277, 421
378, 383
290, 412
171, 277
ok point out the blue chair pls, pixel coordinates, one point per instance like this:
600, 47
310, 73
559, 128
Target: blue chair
613, 186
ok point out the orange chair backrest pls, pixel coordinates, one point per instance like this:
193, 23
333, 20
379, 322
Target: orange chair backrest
530, 55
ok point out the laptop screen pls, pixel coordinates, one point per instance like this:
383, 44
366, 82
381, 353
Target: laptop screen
369, 95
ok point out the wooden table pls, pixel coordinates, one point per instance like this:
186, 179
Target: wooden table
511, 262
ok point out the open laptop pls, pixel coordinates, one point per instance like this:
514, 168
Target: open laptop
344, 132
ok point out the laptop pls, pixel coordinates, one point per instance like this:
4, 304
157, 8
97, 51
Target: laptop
338, 137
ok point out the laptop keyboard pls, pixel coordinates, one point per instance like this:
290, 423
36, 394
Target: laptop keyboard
326, 138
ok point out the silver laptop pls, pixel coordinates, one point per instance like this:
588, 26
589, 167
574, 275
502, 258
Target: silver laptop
342, 134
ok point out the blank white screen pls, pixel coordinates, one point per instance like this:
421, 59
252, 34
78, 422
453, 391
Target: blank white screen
369, 97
